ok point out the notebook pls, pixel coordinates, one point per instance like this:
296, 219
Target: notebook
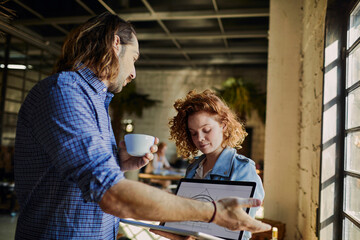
204, 190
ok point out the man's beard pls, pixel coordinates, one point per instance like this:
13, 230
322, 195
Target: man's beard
117, 84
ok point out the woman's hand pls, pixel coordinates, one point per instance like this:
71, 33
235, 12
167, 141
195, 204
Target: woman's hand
128, 162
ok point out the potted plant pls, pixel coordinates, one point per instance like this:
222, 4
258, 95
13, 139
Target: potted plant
243, 97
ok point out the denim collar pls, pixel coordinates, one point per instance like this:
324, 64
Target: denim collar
224, 163
222, 166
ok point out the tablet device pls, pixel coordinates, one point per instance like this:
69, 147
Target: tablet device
205, 190
197, 235
212, 190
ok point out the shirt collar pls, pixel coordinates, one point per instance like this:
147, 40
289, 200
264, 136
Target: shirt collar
224, 163
200, 170
222, 166
90, 77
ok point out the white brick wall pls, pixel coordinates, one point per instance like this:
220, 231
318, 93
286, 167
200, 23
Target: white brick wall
293, 130
310, 125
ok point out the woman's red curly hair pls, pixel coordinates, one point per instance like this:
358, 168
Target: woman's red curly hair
207, 101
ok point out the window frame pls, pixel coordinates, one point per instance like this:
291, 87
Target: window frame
347, 90
338, 11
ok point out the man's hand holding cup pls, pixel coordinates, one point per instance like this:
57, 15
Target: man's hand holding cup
136, 151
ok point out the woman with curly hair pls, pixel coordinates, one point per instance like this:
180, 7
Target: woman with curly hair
205, 123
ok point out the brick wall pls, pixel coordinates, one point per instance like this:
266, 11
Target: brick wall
310, 122
293, 128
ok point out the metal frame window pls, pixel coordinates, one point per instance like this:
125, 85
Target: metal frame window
340, 159
22, 65
351, 188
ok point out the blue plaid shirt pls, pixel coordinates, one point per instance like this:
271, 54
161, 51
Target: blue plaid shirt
65, 159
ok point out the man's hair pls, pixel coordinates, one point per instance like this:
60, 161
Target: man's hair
206, 101
91, 44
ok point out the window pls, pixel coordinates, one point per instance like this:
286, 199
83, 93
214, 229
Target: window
20, 70
340, 160
351, 206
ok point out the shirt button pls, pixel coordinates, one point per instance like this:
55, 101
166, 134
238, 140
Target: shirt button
104, 90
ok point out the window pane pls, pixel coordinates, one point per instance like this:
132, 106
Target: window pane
354, 29
353, 71
14, 80
350, 230
353, 109
10, 119
29, 85
352, 196
12, 107
13, 94
32, 74
353, 151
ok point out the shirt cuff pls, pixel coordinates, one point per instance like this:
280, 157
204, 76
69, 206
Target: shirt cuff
100, 182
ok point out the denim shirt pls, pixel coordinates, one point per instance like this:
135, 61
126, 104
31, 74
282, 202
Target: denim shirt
231, 166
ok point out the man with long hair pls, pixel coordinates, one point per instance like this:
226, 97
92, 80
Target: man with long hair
69, 173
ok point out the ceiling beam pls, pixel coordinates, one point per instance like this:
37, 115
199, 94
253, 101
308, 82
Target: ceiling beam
55, 49
107, 7
171, 51
36, 41
216, 61
40, 16
181, 15
83, 5
166, 30
221, 26
189, 36
173, 62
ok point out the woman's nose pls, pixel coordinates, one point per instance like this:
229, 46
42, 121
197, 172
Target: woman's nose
201, 137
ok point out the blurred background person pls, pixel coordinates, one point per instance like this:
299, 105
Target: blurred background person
159, 165
160, 161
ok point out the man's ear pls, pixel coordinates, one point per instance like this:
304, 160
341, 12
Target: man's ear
117, 45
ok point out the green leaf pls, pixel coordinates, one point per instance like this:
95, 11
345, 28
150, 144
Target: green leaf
243, 97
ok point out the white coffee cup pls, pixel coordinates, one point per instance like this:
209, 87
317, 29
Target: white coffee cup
138, 144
